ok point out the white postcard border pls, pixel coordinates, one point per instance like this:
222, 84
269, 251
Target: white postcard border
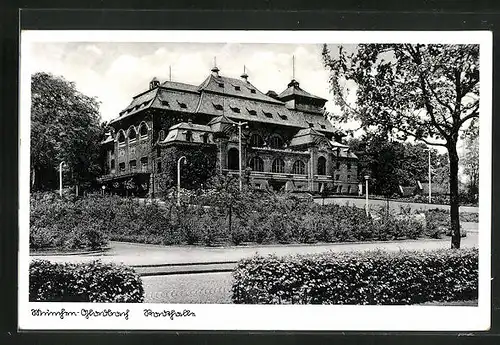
262, 317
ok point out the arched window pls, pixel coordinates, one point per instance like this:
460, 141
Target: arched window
321, 166
256, 140
278, 166
132, 134
144, 163
233, 159
299, 167
276, 142
121, 137
143, 130
256, 164
161, 135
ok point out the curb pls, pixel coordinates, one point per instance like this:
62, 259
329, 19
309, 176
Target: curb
192, 271
271, 245
183, 264
103, 250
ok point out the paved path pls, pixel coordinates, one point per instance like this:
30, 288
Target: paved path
395, 205
145, 255
189, 288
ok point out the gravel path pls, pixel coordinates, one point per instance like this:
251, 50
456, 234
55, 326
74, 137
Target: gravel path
213, 288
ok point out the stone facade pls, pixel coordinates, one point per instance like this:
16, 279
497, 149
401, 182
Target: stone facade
287, 142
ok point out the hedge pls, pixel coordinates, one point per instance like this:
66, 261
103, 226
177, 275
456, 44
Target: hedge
371, 277
83, 282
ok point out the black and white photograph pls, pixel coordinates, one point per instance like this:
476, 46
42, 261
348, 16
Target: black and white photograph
255, 180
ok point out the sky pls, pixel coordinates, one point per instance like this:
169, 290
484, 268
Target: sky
115, 72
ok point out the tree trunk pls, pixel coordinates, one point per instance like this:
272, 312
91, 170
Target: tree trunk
33, 178
230, 216
454, 206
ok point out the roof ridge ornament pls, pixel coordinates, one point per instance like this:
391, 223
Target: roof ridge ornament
244, 76
215, 70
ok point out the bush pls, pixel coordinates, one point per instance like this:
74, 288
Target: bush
66, 224
439, 223
88, 222
85, 282
372, 277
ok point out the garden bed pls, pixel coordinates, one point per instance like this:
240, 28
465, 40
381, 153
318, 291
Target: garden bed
88, 223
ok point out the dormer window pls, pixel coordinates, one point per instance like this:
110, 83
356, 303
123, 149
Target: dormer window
283, 116
252, 111
311, 125
182, 105
217, 106
221, 84
235, 109
323, 126
268, 114
165, 103
237, 88
252, 90
154, 83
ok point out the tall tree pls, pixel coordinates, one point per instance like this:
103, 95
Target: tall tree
470, 160
429, 92
64, 127
391, 163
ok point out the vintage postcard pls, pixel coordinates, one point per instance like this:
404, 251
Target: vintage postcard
255, 180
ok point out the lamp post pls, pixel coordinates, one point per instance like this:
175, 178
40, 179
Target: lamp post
60, 178
366, 195
103, 188
430, 182
240, 124
179, 178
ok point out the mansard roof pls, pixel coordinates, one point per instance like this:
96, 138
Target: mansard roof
230, 87
177, 132
295, 90
307, 136
191, 126
174, 85
219, 95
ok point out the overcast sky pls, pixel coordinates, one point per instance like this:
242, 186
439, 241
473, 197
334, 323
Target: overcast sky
115, 72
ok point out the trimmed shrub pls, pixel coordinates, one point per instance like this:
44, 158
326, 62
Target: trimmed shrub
371, 277
84, 282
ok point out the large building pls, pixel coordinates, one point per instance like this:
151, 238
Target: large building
287, 143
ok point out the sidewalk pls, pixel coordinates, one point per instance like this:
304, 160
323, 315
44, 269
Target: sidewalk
158, 260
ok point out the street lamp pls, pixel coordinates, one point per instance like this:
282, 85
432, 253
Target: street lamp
103, 188
366, 195
179, 178
240, 124
430, 182
60, 178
